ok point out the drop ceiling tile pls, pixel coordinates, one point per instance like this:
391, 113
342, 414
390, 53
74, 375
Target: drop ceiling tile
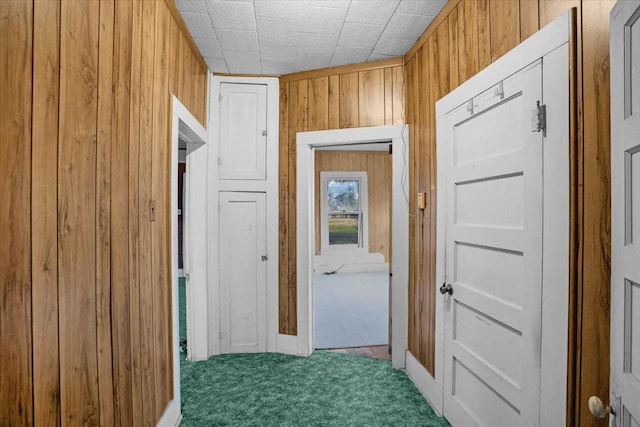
357, 54
320, 44
406, 27
312, 62
393, 47
278, 68
281, 9
199, 24
362, 35
243, 62
232, 15
196, 6
379, 57
425, 8
209, 47
277, 30
322, 20
232, 40
371, 12
337, 4
216, 65
277, 51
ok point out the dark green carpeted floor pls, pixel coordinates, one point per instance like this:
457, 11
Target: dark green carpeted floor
325, 389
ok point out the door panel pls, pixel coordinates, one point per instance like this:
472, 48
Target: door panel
242, 272
625, 212
243, 127
494, 257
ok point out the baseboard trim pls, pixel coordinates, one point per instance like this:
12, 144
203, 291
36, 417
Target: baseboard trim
171, 416
287, 344
424, 382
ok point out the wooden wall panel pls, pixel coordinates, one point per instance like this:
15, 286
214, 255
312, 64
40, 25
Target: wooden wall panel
44, 219
341, 97
16, 388
377, 164
76, 212
506, 35
85, 304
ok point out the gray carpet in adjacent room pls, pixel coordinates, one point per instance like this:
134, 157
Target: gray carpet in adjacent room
351, 309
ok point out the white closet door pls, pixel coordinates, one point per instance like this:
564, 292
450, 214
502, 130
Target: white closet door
243, 131
243, 317
494, 257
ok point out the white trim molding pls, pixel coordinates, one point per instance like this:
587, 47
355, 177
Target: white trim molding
307, 142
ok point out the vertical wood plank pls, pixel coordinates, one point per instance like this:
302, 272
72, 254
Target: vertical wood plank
551, 9
349, 100
16, 44
77, 212
411, 114
468, 49
160, 242
147, 339
454, 45
483, 33
398, 96
103, 213
371, 98
133, 207
388, 96
597, 218
504, 17
318, 103
529, 18
334, 102
121, 295
44, 221
283, 253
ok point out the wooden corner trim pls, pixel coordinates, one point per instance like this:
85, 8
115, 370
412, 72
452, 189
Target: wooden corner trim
343, 69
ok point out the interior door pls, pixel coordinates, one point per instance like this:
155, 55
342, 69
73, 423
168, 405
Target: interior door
242, 231
625, 213
493, 255
243, 131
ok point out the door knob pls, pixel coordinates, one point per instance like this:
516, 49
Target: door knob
446, 289
598, 408
264, 257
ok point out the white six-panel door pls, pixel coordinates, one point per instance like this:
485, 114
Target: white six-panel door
493, 256
625, 213
242, 231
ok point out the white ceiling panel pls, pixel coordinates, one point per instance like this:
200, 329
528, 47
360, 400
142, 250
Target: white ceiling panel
362, 35
238, 41
199, 24
287, 36
282, 9
232, 15
393, 47
209, 47
368, 12
322, 20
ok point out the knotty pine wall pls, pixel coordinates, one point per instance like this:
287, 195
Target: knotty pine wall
369, 94
85, 318
467, 36
377, 164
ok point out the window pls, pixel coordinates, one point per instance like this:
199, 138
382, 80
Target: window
343, 210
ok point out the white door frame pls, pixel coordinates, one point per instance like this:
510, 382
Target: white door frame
305, 235
552, 44
185, 127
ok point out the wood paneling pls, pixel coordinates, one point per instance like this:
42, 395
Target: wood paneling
340, 97
85, 311
44, 221
506, 34
377, 164
16, 388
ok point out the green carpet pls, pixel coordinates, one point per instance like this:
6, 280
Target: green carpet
325, 389
182, 308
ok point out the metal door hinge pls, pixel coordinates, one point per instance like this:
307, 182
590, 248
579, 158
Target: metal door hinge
264, 133
539, 119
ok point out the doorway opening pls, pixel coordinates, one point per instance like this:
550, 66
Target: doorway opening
308, 263
352, 204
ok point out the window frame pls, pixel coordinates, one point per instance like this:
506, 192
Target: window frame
363, 245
